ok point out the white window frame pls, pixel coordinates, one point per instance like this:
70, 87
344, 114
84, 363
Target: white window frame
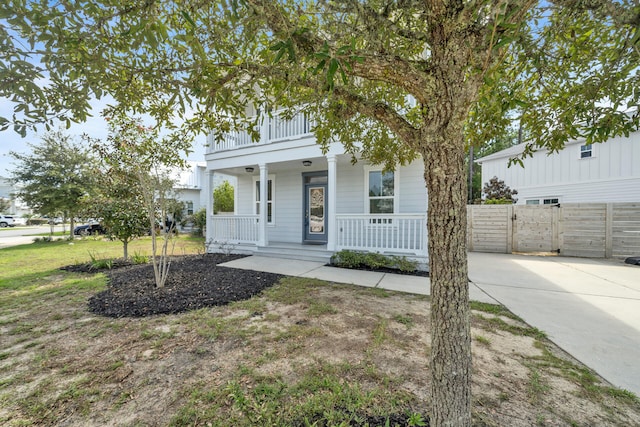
396, 189
187, 204
255, 200
590, 150
540, 201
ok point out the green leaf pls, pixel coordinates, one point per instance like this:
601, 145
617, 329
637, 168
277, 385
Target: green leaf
186, 16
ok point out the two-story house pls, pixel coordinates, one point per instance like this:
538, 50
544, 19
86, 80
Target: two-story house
579, 173
293, 200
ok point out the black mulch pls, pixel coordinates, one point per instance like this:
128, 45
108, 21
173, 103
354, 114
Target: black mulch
194, 282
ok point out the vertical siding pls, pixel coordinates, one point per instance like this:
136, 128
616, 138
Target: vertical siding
611, 175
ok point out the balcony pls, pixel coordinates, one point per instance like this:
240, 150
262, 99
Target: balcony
273, 129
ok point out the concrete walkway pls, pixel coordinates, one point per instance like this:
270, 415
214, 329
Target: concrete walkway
590, 308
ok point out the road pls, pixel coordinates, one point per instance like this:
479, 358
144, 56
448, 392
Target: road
13, 236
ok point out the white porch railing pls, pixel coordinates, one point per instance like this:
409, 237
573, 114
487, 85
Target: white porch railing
236, 228
275, 129
383, 233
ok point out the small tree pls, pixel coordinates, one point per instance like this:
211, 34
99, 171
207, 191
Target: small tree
137, 151
199, 219
496, 192
55, 177
223, 198
120, 206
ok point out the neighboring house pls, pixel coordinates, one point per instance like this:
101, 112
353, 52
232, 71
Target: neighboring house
580, 173
192, 186
313, 204
18, 207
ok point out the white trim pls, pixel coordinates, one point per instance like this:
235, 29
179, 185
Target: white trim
271, 178
396, 187
592, 150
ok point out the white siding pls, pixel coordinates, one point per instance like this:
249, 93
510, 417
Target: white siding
612, 174
412, 192
350, 195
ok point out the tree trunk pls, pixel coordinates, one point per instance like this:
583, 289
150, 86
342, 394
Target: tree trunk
125, 248
450, 331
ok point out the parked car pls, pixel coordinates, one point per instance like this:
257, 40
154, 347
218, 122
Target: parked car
88, 229
19, 221
6, 221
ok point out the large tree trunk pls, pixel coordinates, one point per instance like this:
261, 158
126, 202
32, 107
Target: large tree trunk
450, 331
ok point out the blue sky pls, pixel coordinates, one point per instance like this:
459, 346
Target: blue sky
95, 127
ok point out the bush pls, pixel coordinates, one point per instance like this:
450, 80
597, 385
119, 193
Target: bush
372, 260
199, 219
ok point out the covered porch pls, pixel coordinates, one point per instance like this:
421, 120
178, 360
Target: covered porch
315, 204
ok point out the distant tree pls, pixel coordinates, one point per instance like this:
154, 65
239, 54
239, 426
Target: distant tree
496, 192
223, 198
55, 177
137, 151
5, 204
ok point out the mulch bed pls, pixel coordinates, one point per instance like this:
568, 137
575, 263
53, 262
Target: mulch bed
194, 282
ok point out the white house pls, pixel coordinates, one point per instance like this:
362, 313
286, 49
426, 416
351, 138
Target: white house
580, 173
314, 203
192, 186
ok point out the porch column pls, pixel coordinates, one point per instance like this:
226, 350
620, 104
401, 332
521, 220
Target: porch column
332, 185
209, 234
264, 185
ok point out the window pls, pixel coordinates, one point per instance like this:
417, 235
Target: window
586, 151
256, 191
545, 201
189, 205
381, 192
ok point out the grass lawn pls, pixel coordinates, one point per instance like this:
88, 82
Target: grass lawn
302, 353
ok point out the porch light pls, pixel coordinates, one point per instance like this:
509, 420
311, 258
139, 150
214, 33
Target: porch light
249, 169
306, 162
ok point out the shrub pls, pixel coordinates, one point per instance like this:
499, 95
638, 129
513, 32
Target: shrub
373, 260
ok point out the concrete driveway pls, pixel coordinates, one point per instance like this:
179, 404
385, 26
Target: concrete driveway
589, 307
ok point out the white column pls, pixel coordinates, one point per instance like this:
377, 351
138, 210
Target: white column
332, 186
264, 127
263, 240
209, 235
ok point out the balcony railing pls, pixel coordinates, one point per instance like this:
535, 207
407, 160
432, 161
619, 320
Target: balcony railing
274, 129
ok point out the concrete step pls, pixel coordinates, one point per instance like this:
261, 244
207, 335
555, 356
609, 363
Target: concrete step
309, 253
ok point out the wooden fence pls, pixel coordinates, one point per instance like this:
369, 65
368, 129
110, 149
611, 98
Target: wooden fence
595, 230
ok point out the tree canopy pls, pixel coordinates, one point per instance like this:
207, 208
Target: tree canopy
392, 81
56, 176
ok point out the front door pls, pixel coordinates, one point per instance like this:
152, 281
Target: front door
315, 209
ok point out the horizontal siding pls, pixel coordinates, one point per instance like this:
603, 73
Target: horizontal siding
412, 192
350, 192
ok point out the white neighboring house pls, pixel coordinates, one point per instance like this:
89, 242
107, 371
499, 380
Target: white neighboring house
192, 187
600, 173
18, 207
314, 204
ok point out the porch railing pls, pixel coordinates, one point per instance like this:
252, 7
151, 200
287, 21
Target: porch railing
236, 228
399, 233
275, 129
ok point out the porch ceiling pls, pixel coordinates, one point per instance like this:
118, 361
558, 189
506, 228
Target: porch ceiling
318, 163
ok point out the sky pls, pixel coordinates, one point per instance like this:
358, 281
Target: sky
95, 127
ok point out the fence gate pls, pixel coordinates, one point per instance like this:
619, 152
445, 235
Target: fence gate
535, 228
